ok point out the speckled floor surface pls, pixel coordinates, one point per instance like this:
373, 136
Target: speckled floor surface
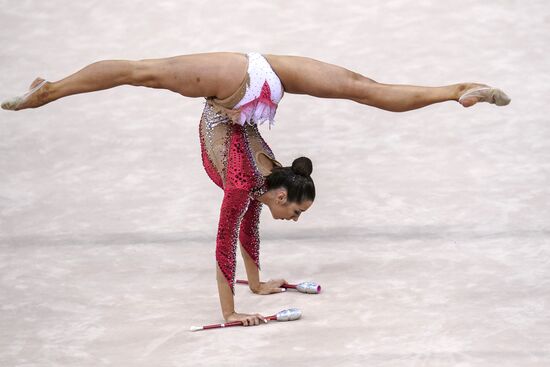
431, 229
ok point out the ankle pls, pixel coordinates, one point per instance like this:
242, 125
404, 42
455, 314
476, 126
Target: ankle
458, 90
48, 93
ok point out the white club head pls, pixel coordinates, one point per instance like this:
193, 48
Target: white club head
195, 328
309, 287
289, 315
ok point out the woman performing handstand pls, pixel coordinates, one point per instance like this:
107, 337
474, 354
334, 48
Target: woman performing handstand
241, 92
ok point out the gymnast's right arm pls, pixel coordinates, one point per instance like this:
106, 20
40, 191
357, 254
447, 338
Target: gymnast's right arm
234, 205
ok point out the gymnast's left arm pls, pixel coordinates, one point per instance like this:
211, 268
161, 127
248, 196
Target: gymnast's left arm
249, 237
252, 271
253, 275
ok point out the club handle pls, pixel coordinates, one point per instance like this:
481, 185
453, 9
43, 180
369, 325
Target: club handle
240, 323
227, 324
291, 286
234, 323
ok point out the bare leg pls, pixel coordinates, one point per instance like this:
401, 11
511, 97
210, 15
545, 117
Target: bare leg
200, 75
308, 76
219, 74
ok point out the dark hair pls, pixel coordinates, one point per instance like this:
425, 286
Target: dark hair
295, 179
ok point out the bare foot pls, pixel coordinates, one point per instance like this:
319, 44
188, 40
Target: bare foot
472, 93
35, 97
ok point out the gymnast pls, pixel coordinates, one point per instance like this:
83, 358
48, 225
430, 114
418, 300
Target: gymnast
243, 91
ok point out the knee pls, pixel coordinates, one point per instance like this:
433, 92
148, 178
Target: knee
360, 87
143, 74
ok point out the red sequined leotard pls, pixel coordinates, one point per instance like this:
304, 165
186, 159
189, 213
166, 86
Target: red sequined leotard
231, 145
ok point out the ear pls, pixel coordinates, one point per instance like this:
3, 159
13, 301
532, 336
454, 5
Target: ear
281, 196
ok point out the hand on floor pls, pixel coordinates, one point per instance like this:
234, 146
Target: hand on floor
271, 286
246, 319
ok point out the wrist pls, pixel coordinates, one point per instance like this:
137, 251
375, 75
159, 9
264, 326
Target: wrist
255, 287
227, 315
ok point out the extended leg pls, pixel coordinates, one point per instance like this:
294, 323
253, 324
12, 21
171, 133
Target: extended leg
303, 75
200, 75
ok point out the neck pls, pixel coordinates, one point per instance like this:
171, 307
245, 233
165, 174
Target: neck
268, 198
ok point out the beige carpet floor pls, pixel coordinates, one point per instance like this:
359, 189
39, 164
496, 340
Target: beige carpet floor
430, 233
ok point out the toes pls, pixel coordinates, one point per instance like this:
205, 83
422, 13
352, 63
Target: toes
500, 98
10, 104
27, 100
484, 94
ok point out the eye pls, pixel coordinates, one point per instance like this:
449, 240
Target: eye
296, 212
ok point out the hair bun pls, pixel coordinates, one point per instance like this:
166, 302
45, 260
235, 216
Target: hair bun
302, 166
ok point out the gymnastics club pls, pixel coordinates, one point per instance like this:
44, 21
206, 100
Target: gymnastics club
290, 314
304, 287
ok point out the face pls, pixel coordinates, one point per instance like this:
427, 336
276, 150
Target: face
284, 209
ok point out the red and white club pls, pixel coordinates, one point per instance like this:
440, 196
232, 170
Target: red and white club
290, 314
304, 287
